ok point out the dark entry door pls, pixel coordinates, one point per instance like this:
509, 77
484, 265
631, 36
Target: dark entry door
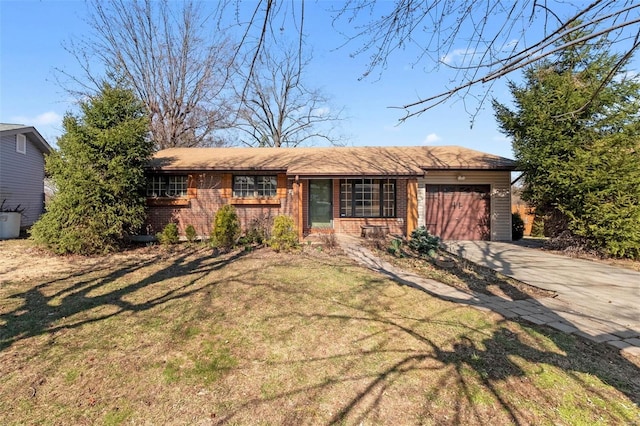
458, 212
320, 203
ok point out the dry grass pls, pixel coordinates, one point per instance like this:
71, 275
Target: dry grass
458, 272
181, 337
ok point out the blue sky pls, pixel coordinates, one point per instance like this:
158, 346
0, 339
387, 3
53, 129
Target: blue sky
32, 34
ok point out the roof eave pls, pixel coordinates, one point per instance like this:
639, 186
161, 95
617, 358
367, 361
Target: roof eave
40, 142
471, 168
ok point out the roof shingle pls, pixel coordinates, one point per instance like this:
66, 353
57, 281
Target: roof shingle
343, 161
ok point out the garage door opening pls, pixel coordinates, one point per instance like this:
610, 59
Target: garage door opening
458, 212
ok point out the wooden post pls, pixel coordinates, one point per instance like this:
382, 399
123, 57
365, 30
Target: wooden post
297, 203
412, 205
192, 186
227, 185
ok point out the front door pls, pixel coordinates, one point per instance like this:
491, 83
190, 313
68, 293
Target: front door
320, 203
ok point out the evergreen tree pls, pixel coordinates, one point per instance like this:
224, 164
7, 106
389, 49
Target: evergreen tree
99, 173
577, 142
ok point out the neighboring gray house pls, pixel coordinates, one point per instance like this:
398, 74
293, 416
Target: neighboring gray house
22, 151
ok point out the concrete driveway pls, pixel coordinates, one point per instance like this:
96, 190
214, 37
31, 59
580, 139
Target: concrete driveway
592, 289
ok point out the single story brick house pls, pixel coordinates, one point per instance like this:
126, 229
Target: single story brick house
457, 193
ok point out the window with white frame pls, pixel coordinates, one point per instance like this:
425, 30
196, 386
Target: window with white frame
166, 185
255, 186
367, 198
21, 144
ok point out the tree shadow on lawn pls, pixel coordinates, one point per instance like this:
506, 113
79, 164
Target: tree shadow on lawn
37, 312
496, 361
514, 370
492, 366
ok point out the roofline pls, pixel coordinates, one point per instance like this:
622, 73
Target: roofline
43, 144
292, 174
214, 169
435, 169
353, 175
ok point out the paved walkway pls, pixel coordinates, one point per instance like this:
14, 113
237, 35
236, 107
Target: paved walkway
618, 325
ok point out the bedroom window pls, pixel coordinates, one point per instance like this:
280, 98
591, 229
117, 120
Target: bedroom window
367, 198
21, 144
254, 186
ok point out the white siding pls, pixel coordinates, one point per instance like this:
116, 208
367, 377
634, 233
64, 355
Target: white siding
500, 182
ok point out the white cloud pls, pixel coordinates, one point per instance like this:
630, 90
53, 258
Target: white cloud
460, 54
628, 76
431, 139
322, 112
511, 44
501, 138
48, 117
44, 119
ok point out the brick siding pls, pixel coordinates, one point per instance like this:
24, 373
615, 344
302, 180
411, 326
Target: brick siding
210, 196
352, 226
212, 192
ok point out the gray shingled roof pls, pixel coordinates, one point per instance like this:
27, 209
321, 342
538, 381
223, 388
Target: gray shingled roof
7, 127
31, 132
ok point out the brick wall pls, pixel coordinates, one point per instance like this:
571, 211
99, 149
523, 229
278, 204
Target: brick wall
212, 192
396, 225
210, 195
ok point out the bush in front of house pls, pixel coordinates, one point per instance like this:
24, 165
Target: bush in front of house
226, 228
259, 230
517, 226
395, 247
169, 235
329, 239
423, 242
283, 234
190, 233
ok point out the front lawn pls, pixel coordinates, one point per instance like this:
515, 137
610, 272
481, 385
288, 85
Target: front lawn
182, 337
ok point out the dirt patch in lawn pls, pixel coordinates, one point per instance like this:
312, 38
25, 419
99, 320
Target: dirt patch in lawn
180, 336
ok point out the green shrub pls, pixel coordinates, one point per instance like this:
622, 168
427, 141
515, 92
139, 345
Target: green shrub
517, 226
283, 234
395, 248
190, 233
169, 234
537, 227
423, 242
226, 228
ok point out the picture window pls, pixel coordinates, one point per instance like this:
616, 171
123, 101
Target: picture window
367, 198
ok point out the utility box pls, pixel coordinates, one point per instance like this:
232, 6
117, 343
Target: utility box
9, 225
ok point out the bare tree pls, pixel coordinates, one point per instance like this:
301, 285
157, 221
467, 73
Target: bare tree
169, 55
482, 40
277, 108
